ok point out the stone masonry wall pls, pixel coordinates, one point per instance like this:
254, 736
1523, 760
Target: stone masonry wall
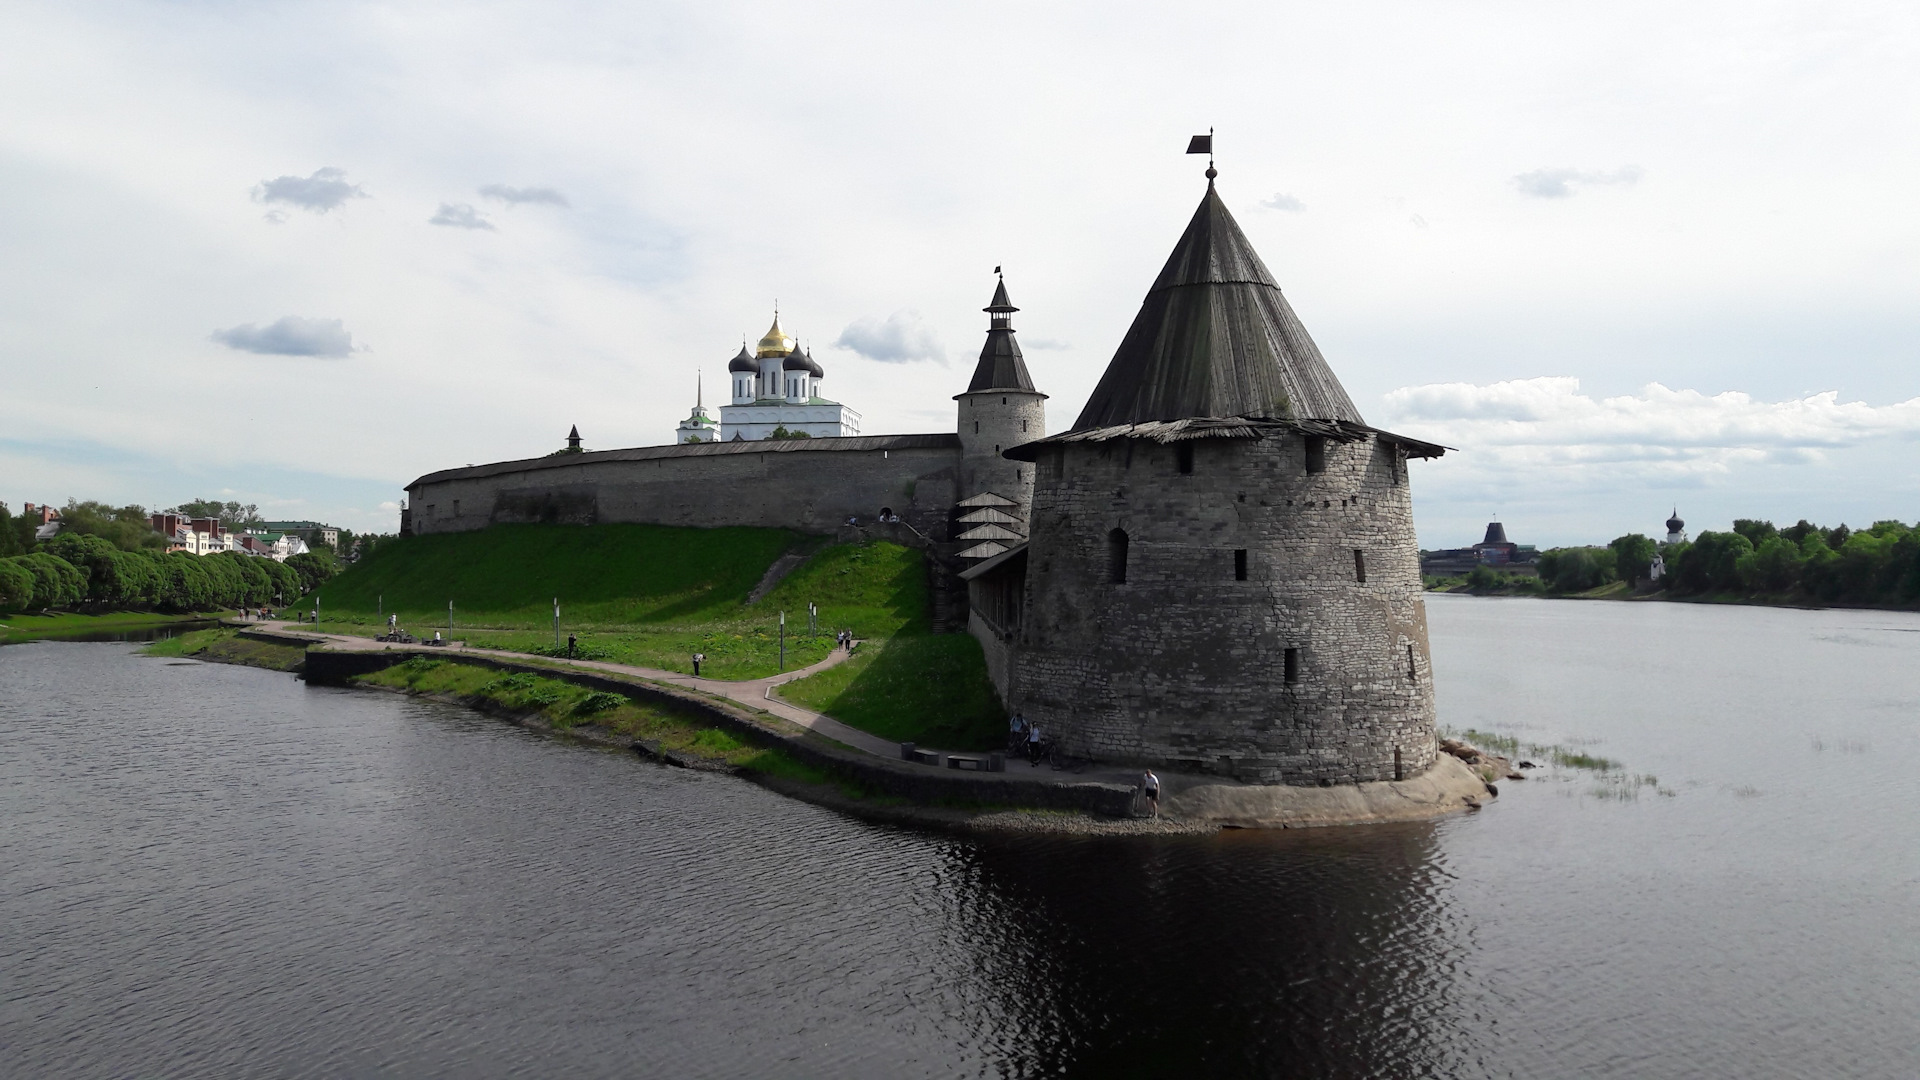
809, 485
1183, 665
990, 423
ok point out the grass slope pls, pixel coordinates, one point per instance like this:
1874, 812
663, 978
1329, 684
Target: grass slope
602, 574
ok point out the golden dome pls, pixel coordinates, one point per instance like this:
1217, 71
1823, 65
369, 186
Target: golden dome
776, 343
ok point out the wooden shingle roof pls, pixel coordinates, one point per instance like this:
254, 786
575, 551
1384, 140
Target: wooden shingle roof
1215, 338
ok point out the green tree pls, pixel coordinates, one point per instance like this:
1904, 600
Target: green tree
1773, 567
16, 586
57, 583
126, 527
314, 568
1633, 557
1577, 569
184, 584
1756, 532
1712, 563
9, 539
232, 514
780, 432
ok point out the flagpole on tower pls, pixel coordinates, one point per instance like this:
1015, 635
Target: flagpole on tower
1203, 144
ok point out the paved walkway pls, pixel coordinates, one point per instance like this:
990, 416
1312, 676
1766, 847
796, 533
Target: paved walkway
757, 693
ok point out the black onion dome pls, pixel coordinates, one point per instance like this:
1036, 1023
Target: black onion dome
1674, 524
1215, 338
797, 361
743, 361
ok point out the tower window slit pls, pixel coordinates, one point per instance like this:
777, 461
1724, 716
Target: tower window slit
976, 427
1413, 667
1183, 454
1117, 557
1359, 566
1240, 564
1293, 664
1316, 453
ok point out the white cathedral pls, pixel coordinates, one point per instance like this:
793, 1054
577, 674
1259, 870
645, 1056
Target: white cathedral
776, 389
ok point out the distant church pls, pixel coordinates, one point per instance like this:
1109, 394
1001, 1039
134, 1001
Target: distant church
776, 394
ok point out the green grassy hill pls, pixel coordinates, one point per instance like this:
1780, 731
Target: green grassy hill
653, 596
602, 574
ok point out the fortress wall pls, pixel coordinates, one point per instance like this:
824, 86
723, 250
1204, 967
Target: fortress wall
793, 485
1183, 665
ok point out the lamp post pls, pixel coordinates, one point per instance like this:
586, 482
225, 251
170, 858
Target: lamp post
783, 641
556, 624
449, 618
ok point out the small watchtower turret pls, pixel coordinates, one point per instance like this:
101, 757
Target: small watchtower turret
1000, 409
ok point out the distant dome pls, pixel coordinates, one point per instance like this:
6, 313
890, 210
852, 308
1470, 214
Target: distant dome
795, 361
742, 361
1674, 524
776, 343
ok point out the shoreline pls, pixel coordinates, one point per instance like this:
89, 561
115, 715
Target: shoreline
863, 784
1663, 597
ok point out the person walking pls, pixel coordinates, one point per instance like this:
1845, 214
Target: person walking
1150, 787
697, 657
1033, 745
570, 641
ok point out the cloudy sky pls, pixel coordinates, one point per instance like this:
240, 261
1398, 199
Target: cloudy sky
1622, 255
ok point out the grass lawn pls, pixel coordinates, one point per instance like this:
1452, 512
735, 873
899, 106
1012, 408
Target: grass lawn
932, 690
25, 627
877, 590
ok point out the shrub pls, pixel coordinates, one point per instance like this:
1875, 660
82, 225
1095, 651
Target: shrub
599, 701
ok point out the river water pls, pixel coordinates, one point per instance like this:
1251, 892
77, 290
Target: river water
218, 871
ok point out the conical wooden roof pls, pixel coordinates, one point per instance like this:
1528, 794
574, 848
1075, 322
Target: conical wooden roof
1215, 338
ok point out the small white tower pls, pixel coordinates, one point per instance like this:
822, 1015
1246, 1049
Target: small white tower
698, 426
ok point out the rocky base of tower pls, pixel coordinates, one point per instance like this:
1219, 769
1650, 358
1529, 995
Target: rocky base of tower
1449, 785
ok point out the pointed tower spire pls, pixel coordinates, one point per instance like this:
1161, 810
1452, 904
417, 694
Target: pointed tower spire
573, 438
1214, 337
1001, 366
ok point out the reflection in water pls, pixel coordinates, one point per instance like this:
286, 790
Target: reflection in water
1250, 952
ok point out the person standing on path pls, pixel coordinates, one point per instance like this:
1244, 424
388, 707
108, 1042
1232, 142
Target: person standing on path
1033, 745
570, 641
697, 657
1150, 787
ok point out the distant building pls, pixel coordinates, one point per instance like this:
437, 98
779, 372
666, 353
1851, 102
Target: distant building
777, 389
1676, 529
309, 531
47, 517
698, 426
1494, 550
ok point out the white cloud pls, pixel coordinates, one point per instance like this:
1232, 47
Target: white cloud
1282, 201
903, 337
1547, 423
327, 189
1560, 183
459, 216
513, 196
290, 336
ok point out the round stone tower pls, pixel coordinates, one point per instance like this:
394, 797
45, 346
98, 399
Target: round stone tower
1222, 575
1000, 410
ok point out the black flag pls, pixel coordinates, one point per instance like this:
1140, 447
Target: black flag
1201, 144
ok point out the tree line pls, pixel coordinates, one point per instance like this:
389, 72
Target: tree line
1803, 562
108, 557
